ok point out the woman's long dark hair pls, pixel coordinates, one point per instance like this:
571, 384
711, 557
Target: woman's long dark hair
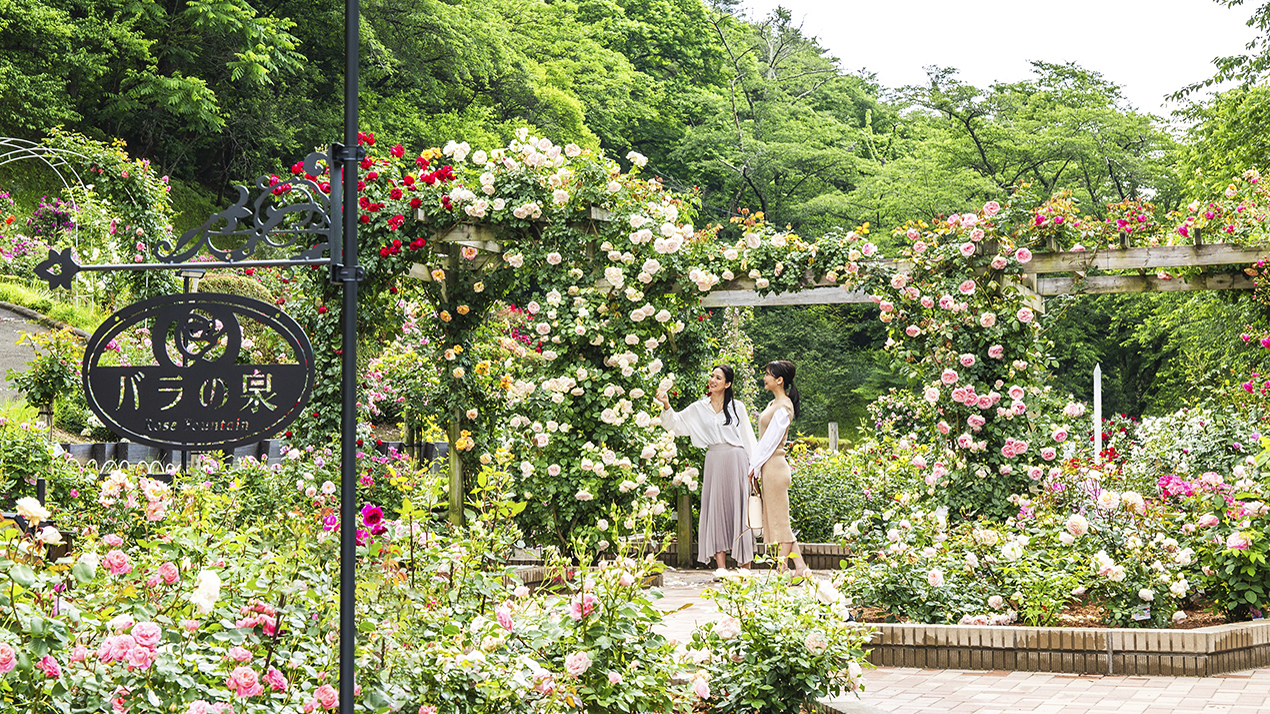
727, 394
784, 371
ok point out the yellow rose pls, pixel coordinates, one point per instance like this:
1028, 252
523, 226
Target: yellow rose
459, 372
438, 275
445, 316
478, 287
462, 309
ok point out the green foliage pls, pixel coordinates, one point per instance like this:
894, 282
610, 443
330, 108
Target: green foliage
54, 371
777, 650
234, 284
1068, 128
829, 490
841, 366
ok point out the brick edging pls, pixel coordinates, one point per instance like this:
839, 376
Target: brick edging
1200, 652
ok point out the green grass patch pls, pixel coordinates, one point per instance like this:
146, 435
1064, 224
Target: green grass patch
86, 316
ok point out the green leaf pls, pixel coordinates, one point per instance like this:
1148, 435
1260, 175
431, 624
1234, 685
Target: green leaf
22, 575
83, 572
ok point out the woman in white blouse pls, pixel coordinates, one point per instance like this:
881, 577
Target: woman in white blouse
768, 462
720, 425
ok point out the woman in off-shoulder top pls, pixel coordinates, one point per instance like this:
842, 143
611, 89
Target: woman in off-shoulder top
719, 424
768, 463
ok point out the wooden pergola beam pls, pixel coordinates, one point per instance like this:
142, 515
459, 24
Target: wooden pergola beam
1149, 258
1107, 284
743, 297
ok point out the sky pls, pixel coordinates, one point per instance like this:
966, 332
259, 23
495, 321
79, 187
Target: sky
1150, 48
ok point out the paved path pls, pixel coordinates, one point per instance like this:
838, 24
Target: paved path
11, 355
913, 691
931, 691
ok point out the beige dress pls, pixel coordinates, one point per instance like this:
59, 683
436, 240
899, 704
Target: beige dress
769, 462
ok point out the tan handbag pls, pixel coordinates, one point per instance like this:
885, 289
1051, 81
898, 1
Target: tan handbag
754, 510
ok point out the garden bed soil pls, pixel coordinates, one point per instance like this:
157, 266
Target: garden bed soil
1081, 614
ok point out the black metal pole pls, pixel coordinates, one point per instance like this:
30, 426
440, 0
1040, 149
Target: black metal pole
348, 417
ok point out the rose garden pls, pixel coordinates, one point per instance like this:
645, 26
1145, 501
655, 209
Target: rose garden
523, 304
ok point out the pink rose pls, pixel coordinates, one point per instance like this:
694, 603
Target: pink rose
238, 654
991, 208
427, 709
112, 540
998, 262
1208, 520
946, 302
985, 401
1016, 392
912, 330
1060, 435
276, 680
577, 663
48, 665
615, 678
936, 578
79, 654
8, 657
147, 634
702, 688
170, 573
949, 376
967, 249
886, 306
967, 360
244, 682
139, 657
1023, 255
931, 394
943, 427
1025, 315
967, 287
928, 302
504, 615
996, 352
1048, 453
190, 625
116, 561
1238, 541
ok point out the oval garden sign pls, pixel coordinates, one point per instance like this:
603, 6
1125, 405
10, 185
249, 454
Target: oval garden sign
198, 394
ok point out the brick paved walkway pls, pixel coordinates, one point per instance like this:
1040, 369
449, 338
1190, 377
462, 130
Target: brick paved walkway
913, 691
931, 691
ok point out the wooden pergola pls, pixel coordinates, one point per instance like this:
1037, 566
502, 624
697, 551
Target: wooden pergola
1148, 261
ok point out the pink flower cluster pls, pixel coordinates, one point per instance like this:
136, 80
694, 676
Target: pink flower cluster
583, 605
137, 649
257, 613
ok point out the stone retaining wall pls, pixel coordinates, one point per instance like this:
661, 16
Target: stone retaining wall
1200, 652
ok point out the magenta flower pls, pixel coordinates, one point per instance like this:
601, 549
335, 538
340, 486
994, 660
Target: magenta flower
372, 515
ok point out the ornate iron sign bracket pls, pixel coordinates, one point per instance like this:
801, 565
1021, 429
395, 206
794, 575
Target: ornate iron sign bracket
251, 233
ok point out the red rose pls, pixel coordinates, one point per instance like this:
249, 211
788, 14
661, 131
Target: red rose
395, 194
398, 151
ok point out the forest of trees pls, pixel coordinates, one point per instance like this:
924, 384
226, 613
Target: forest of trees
751, 112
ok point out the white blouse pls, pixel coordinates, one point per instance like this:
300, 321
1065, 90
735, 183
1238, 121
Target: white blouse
772, 440
699, 421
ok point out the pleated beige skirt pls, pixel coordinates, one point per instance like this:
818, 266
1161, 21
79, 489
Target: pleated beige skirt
776, 480
724, 497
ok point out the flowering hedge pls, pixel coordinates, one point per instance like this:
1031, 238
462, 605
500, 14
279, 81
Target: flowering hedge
218, 593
